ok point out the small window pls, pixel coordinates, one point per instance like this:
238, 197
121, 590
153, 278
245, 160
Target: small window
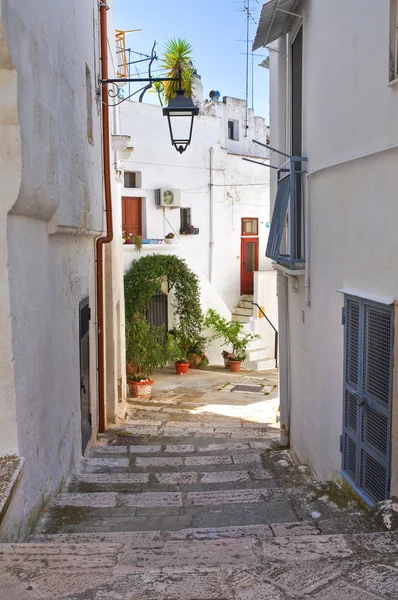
132, 179
393, 40
249, 226
233, 130
185, 219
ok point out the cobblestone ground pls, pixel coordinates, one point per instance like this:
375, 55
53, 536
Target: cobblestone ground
193, 500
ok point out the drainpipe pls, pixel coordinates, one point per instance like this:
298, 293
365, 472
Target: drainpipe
109, 223
211, 218
284, 390
307, 220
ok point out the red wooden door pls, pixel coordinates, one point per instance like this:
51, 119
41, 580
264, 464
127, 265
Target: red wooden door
132, 215
248, 264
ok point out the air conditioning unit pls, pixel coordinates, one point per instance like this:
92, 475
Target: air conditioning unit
168, 198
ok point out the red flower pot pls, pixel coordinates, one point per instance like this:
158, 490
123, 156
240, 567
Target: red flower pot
234, 365
182, 368
141, 389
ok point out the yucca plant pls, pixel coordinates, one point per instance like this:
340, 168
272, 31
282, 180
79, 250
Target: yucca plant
178, 59
158, 88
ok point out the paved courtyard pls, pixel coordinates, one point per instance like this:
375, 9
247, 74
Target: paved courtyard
192, 499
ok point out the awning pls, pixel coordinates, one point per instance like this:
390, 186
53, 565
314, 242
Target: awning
277, 18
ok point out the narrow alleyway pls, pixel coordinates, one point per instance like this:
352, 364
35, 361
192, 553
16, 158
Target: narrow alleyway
193, 500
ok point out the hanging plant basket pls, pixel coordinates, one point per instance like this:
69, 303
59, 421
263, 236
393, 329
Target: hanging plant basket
141, 389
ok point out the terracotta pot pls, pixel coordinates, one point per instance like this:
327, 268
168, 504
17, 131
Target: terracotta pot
234, 365
141, 389
227, 363
181, 368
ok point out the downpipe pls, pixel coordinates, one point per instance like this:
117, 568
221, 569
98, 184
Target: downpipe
307, 251
211, 216
284, 389
109, 220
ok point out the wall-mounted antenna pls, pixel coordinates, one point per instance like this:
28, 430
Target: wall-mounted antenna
249, 17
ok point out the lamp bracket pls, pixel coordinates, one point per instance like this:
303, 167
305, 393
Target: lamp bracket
118, 82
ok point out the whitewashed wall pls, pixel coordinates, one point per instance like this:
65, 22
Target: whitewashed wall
240, 189
50, 215
349, 110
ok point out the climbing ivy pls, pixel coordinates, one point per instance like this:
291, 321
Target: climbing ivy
144, 278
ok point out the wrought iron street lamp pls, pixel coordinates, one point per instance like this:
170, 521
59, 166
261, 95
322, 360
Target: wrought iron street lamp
180, 111
185, 110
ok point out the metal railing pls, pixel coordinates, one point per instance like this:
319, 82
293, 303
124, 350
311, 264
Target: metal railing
275, 332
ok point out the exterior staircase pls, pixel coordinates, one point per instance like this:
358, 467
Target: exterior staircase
260, 358
186, 503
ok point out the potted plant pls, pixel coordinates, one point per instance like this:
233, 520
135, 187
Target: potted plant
196, 351
182, 366
169, 238
226, 355
179, 348
232, 334
138, 242
145, 350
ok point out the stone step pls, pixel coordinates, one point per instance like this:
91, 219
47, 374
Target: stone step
163, 568
179, 430
241, 318
246, 312
247, 297
258, 354
163, 499
177, 449
245, 304
180, 462
172, 480
261, 364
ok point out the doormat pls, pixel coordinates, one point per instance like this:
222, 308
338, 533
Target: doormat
254, 389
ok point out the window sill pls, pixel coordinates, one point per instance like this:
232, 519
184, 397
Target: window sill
288, 272
393, 83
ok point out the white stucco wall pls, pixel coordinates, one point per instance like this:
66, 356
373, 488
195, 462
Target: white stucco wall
51, 212
348, 110
240, 189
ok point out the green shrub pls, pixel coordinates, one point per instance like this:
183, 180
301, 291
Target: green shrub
231, 332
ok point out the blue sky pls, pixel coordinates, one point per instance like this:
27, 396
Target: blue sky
213, 28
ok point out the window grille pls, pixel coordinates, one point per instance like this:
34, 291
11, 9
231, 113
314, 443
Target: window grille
185, 219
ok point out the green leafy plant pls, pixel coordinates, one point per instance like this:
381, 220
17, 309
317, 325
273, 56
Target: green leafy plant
177, 59
203, 363
146, 348
232, 334
158, 88
145, 277
138, 242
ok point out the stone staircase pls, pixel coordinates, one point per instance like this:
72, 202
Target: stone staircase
192, 499
259, 358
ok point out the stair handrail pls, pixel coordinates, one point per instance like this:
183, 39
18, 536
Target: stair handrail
275, 330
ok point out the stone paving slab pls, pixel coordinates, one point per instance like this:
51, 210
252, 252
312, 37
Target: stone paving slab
132, 567
202, 504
